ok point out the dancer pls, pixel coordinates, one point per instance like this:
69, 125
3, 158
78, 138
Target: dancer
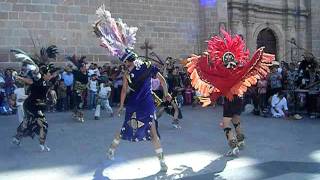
231, 114
37, 77
170, 106
226, 70
80, 86
140, 122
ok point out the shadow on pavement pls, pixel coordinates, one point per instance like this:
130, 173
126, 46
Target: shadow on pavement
269, 170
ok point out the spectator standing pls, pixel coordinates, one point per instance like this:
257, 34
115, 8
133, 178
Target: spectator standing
188, 95
155, 85
62, 96
52, 99
275, 79
68, 79
262, 94
93, 89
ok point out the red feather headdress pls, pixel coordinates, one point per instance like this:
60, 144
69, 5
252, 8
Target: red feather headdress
226, 69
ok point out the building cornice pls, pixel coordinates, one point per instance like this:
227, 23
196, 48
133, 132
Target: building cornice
266, 9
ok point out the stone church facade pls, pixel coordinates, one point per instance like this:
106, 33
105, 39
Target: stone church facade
174, 28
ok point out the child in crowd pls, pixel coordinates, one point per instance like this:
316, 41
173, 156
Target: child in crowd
20, 95
103, 100
279, 105
179, 98
93, 89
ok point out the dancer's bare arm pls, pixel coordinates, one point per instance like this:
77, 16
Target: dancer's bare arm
163, 84
25, 80
123, 93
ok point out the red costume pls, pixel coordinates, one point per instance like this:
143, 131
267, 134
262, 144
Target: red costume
226, 69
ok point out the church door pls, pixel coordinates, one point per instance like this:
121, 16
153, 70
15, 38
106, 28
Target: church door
267, 39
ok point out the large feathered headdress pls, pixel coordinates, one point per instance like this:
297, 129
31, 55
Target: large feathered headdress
115, 36
37, 63
225, 69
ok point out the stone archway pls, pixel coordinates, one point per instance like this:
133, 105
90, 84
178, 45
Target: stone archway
267, 39
278, 34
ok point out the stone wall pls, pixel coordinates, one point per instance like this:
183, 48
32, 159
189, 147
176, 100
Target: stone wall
172, 26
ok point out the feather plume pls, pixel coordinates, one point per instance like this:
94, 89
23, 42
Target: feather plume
114, 35
23, 56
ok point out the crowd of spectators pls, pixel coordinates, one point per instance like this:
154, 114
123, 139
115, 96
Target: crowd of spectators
297, 85
295, 82
60, 96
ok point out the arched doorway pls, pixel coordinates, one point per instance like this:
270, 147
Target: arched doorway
267, 39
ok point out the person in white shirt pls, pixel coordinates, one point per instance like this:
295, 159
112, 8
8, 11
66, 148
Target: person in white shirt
279, 105
93, 89
103, 100
20, 94
93, 69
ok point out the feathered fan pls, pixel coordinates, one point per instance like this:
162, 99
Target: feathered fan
114, 35
45, 54
49, 52
32, 63
226, 68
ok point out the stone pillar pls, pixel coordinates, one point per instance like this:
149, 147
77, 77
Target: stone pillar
212, 17
315, 24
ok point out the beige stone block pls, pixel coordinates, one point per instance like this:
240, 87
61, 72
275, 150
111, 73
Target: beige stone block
4, 15
18, 7
57, 17
69, 17
57, 2
62, 9
4, 57
73, 25
13, 15
35, 8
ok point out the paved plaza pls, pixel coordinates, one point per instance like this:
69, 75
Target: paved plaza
275, 149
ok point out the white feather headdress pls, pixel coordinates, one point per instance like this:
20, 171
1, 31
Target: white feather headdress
114, 35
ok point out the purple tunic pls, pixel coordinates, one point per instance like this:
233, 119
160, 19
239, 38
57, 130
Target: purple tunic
140, 108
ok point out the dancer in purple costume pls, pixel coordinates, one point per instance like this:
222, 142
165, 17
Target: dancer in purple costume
140, 120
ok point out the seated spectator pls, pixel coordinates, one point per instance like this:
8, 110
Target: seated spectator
9, 83
4, 105
279, 106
